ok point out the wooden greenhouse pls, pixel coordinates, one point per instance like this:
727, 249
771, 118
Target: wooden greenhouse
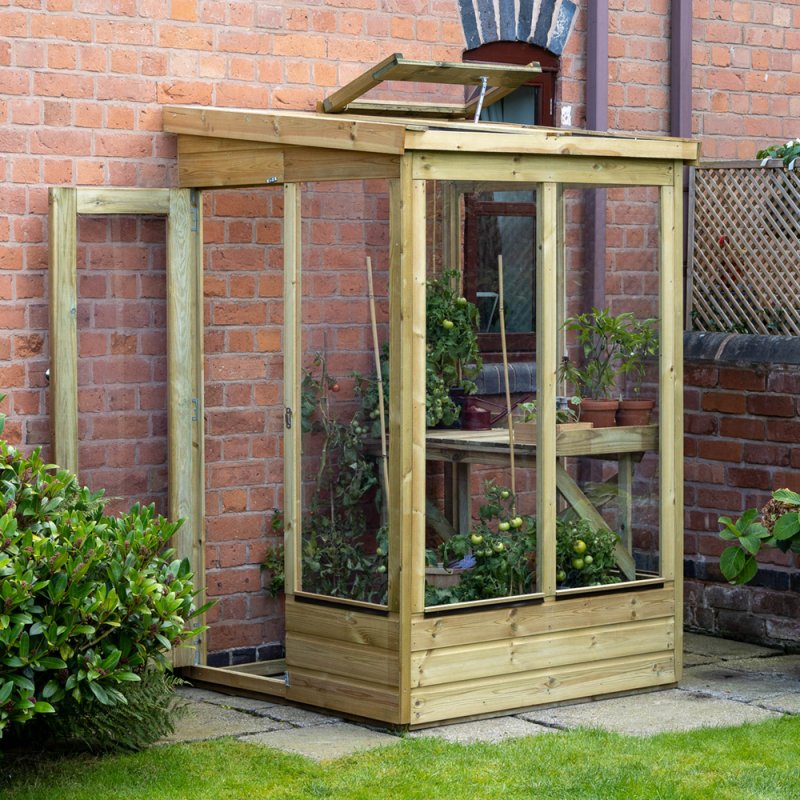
397, 653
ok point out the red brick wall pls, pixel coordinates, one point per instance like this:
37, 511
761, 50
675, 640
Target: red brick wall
742, 436
81, 90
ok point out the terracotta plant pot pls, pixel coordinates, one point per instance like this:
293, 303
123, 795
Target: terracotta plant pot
635, 412
602, 413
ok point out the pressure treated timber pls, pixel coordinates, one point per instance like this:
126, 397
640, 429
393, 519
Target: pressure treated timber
292, 370
231, 680
355, 662
445, 665
368, 700
63, 310
345, 625
523, 166
509, 692
286, 127
232, 163
446, 630
546, 366
123, 201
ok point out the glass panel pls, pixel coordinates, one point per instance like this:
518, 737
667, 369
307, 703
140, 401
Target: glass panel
344, 533
513, 237
481, 538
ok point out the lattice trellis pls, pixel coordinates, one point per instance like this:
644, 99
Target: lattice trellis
745, 266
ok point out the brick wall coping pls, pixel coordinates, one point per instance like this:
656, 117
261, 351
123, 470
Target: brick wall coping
740, 348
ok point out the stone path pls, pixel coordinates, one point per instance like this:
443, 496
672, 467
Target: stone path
724, 683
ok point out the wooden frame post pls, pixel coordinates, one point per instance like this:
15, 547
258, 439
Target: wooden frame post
671, 394
292, 350
184, 348
547, 335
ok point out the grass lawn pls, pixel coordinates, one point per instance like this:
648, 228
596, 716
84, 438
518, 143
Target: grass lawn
751, 761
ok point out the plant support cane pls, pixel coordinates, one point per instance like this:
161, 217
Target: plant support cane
376, 347
501, 302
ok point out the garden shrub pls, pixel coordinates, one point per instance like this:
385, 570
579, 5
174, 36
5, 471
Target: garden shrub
88, 603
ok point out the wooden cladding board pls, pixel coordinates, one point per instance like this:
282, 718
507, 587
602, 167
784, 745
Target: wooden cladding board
542, 618
547, 651
342, 625
213, 163
503, 659
509, 692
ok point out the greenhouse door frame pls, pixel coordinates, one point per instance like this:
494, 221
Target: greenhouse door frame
184, 295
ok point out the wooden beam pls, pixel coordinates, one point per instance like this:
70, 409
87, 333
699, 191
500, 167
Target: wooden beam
671, 393
182, 404
123, 201
532, 168
358, 86
62, 244
292, 362
547, 239
287, 127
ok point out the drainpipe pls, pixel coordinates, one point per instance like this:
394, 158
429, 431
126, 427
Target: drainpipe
596, 120
680, 97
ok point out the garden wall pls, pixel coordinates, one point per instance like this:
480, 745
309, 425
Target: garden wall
742, 428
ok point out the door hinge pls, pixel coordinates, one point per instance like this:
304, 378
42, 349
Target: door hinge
288, 418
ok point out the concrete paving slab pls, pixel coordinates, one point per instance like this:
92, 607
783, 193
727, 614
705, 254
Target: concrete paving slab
718, 648
484, 730
785, 703
301, 717
259, 708
323, 742
695, 660
788, 665
647, 714
723, 680
208, 721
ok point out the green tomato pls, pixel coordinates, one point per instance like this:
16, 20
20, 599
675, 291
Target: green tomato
505, 494
577, 563
381, 569
516, 522
504, 526
587, 559
579, 546
476, 538
461, 301
379, 552
498, 547
447, 324
561, 576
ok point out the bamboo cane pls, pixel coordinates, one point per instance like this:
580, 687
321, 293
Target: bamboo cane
379, 374
505, 375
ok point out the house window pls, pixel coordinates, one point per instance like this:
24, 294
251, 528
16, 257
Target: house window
504, 222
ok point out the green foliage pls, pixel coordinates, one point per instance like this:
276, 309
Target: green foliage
87, 602
2, 415
453, 358
611, 346
335, 558
777, 525
147, 715
788, 152
503, 544
273, 563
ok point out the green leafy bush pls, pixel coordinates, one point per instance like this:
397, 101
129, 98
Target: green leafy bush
789, 152
777, 525
88, 602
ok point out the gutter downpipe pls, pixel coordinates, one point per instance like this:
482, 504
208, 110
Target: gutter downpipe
596, 120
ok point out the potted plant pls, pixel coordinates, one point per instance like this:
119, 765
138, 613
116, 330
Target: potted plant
453, 358
641, 346
566, 417
603, 339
